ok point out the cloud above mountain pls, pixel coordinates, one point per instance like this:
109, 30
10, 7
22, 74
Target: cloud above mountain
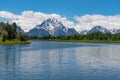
28, 19
89, 21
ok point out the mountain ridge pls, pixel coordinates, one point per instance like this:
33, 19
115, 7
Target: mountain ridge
51, 27
54, 27
100, 29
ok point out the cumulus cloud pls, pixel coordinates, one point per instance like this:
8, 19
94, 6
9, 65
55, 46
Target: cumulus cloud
89, 21
28, 19
8, 15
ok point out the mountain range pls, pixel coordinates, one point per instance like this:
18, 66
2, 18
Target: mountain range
100, 29
54, 27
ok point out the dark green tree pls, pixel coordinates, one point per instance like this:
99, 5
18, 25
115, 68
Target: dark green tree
14, 32
24, 37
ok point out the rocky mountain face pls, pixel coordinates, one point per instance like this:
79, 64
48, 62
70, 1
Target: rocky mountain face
51, 27
84, 32
100, 29
19, 29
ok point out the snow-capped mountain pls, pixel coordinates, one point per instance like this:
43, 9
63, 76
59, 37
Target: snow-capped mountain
99, 29
54, 27
51, 27
115, 31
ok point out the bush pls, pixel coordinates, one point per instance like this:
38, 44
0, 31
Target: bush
24, 37
4, 35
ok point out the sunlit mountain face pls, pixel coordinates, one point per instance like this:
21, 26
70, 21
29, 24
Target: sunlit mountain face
52, 27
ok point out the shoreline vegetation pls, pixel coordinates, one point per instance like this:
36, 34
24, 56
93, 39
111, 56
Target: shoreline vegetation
96, 37
13, 42
78, 41
86, 41
11, 34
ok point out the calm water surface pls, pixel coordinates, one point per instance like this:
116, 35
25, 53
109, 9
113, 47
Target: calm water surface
44, 60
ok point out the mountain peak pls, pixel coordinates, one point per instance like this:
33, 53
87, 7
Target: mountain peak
99, 29
96, 29
54, 27
53, 20
51, 23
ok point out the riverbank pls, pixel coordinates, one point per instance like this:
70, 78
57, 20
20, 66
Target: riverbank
86, 41
13, 42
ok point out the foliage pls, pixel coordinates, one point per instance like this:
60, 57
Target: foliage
9, 32
96, 36
12, 42
24, 37
4, 35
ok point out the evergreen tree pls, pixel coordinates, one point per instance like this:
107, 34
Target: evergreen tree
14, 32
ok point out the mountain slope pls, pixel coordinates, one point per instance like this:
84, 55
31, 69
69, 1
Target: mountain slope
99, 29
38, 32
84, 32
51, 27
19, 29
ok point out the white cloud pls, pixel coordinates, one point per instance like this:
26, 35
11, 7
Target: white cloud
28, 19
88, 21
8, 15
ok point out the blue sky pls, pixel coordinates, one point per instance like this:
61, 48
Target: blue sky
63, 7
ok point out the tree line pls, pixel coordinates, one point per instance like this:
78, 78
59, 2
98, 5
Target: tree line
90, 36
9, 32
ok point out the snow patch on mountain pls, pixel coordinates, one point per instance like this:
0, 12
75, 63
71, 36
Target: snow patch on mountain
100, 29
52, 27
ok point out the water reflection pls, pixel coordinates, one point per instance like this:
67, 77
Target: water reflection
8, 60
73, 63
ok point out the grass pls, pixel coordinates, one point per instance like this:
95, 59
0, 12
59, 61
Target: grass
87, 41
12, 42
